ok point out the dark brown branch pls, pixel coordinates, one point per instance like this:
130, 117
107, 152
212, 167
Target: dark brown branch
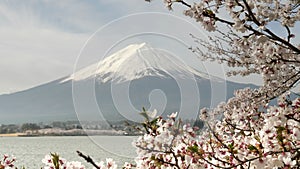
283, 41
251, 15
253, 18
291, 78
281, 87
163, 152
289, 33
166, 162
176, 160
220, 141
185, 4
285, 60
207, 14
224, 21
292, 118
88, 159
234, 126
275, 37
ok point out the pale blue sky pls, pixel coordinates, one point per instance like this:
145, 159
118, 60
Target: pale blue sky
41, 39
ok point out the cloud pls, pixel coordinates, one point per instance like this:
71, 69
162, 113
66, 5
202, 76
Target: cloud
75, 16
34, 56
40, 40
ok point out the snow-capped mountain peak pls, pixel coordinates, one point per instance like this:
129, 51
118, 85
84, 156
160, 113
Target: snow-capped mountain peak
136, 61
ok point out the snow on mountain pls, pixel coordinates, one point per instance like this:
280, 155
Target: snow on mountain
147, 69
136, 61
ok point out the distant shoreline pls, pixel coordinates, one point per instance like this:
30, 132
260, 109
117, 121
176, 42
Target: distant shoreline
77, 132
18, 135
11, 135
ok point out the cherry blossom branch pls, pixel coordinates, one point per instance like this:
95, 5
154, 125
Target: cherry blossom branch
163, 152
292, 118
289, 33
280, 58
251, 133
166, 162
274, 37
224, 145
88, 159
208, 13
184, 3
250, 13
237, 128
284, 84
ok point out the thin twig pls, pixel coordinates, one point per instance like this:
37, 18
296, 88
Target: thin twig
88, 159
185, 3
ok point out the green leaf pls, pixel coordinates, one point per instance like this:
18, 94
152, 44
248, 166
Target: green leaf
154, 121
280, 129
251, 147
144, 114
55, 159
193, 148
230, 146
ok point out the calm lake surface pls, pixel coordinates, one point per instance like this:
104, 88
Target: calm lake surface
29, 151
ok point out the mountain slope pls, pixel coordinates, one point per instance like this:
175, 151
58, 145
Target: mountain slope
134, 77
48, 102
134, 62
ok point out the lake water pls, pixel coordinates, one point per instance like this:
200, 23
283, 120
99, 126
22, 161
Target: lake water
29, 151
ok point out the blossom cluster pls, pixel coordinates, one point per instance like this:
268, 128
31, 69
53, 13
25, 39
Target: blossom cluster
246, 131
255, 135
246, 37
108, 164
241, 133
242, 14
248, 135
7, 162
53, 161
162, 145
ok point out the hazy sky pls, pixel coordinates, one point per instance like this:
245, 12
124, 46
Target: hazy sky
43, 40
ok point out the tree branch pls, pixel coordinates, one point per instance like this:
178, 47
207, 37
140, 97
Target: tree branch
185, 3
275, 37
88, 159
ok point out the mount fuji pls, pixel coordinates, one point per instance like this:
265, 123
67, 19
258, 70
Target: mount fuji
146, 60
118, 87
